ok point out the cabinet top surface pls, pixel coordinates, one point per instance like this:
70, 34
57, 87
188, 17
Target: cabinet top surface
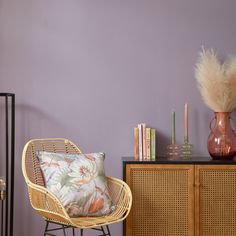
180, 160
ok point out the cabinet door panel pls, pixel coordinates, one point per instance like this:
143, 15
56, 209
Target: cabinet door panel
163, 200
215, 200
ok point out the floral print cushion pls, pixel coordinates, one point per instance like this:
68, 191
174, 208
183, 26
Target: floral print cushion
79, 182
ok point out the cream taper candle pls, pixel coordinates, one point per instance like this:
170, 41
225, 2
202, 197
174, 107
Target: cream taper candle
173, 128
186, 123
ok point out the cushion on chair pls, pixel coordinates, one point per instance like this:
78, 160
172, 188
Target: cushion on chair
79, 182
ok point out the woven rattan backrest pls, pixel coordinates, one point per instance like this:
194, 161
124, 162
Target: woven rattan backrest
32, 168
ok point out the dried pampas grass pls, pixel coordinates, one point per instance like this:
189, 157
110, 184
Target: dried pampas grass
217, 81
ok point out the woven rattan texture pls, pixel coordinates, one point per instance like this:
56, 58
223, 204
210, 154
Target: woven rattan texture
32, 163
160, 202
217, 202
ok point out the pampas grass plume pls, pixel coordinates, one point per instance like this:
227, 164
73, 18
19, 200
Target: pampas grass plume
216, 81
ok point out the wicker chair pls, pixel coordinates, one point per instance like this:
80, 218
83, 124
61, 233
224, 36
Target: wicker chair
50, 208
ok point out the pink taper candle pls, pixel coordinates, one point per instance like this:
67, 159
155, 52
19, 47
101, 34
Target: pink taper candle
186, 123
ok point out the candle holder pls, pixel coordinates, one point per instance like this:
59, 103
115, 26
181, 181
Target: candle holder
186, 150
173, 151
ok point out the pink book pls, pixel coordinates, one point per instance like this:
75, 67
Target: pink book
136, 138
140, 141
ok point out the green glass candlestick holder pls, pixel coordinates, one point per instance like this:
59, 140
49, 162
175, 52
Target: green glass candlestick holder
186, 150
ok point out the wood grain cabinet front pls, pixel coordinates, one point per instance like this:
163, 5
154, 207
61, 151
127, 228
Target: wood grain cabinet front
181, 199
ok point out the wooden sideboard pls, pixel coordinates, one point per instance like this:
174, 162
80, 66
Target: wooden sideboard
194, 197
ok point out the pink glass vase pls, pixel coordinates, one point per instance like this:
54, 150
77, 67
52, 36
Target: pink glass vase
222, 141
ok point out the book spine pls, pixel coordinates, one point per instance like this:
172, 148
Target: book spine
148, 143
153, 144
136, 138
140, 141
144, 141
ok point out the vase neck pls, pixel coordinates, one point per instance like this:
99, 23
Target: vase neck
222, 118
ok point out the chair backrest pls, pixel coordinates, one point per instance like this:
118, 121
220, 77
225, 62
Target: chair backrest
30, 163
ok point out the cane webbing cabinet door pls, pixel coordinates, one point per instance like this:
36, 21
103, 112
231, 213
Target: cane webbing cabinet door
163, 200
215, 198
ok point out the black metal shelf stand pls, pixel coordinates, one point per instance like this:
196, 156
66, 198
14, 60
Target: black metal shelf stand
7, 204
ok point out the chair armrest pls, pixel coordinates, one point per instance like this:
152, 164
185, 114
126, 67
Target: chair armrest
47, 204
121, 196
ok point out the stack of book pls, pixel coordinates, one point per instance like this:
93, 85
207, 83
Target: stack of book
145, 142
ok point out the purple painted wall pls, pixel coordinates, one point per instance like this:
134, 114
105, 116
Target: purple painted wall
91, 70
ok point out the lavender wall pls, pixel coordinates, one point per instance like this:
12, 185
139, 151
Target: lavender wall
91, 70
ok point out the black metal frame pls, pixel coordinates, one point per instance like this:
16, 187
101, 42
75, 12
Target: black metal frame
63, 227
7, 205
